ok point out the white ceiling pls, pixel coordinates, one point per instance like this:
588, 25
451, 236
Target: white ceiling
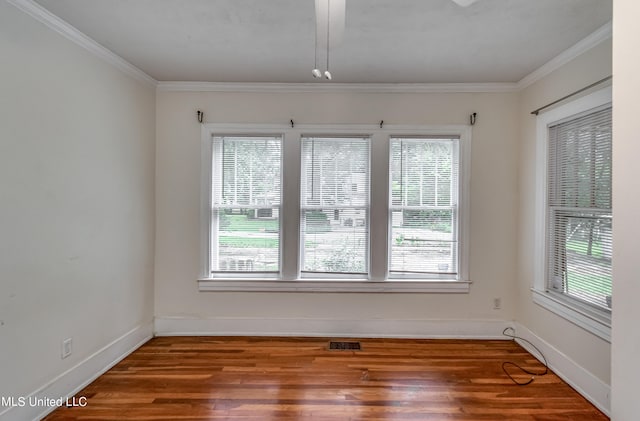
385, 41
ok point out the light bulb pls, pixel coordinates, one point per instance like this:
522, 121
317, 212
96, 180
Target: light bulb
316, 73
327, 74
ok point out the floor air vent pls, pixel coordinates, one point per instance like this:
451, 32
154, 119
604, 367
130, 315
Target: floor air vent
345, 346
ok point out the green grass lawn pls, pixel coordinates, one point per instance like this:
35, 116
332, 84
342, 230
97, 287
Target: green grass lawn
582, 247
591, 284
243, 224
244, 242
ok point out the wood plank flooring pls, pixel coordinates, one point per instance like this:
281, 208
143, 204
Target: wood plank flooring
261, 378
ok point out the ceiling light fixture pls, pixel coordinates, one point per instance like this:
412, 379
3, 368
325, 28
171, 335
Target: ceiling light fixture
330, 17
464, 3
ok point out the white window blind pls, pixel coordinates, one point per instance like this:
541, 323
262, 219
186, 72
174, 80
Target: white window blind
245, 211
424, 212
334, 221
579, 214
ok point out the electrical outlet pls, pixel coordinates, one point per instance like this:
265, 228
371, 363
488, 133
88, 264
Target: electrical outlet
497, 303
67, 347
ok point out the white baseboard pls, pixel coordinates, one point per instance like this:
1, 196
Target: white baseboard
588, 385
76, 378
381, 328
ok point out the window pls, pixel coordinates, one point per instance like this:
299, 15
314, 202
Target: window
245, 208
574, 276
424, 207
579, 208
334, 208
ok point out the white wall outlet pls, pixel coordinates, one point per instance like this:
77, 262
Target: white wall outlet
497, 303
67, 347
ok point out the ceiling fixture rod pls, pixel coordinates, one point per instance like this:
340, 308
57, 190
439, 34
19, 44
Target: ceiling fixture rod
316, 72
327, 73
330, 18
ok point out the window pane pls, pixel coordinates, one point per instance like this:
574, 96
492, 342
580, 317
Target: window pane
246, 181
424, 197
246, 171
248, 240
582, 257
335, 172
580, 162
335, 240
422, 241
579, 200
335, 205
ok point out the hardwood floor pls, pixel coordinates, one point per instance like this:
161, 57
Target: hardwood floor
258, 378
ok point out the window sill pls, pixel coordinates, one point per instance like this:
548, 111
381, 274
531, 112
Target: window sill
592, 321
253, 285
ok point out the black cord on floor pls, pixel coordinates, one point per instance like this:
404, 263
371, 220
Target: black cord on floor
509, 363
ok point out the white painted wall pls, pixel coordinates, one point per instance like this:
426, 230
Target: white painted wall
493, 210
77, 162
625, 381
580, 346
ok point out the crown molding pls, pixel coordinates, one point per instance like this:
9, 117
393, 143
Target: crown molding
53, 22
398, 88
599, 35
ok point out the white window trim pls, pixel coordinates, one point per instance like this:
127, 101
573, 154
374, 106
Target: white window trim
211, 153
590, 319
314, 276
290, 279
462, 217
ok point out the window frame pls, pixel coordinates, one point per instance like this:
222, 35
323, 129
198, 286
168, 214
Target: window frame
455, 208
217, 156
289, 279
592, 319
310, 275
